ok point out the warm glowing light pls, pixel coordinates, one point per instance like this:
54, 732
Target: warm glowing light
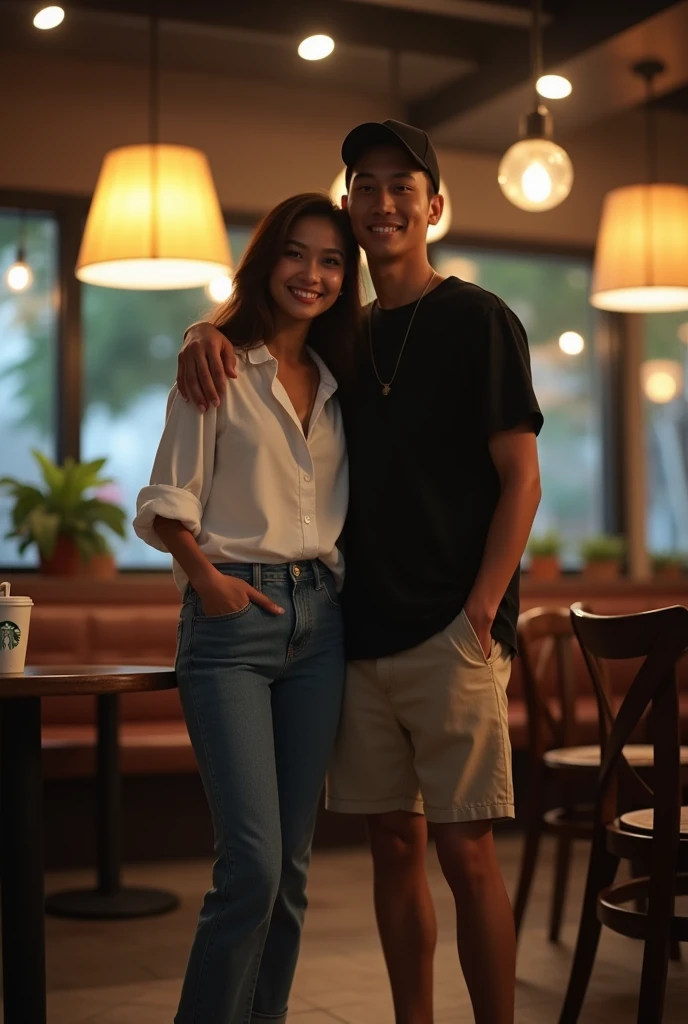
154, 222
316, 47
640, 260
220, 288
49, 17
662, 379
553, 87
435, 231
19, 277
571, 343
535, 174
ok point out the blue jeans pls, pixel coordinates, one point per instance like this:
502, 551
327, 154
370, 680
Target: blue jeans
261, 695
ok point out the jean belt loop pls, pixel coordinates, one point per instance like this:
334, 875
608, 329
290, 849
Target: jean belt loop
316, 574
256, 576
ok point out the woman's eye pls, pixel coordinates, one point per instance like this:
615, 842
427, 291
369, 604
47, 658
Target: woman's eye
332, 261
293, 252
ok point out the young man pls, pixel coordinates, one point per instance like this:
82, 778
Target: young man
441, 424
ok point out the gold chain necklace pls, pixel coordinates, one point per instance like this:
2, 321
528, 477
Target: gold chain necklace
387, 387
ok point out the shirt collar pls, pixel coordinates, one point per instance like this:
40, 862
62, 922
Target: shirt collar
261, 354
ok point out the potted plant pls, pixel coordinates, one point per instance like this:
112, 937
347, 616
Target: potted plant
602, 556
544, 552
62, 521
668, 565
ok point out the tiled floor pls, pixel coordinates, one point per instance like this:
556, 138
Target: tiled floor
130, 972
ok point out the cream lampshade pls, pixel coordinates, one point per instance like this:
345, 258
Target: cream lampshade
154, 222
641, 260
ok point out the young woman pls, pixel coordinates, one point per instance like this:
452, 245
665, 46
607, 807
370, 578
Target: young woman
250, 500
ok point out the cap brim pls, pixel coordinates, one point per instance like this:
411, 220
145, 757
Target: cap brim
373, 133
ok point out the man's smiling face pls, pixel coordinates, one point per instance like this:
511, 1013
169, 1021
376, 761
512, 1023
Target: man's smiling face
390, 203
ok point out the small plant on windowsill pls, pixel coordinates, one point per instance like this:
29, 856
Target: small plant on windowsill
602, 556
545, 552
62, 521
668, 565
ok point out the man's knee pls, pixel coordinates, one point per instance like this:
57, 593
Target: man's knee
397, 838
467, 854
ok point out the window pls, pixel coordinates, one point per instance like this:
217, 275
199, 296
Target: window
131, 342
664, 379
550, 297
28, 339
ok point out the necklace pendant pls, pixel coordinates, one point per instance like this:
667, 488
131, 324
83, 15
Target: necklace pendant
386, 389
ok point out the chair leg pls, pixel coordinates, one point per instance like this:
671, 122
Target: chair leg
561, 877
528, 862
601, 872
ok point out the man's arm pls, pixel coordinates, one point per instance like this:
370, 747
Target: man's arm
206, 360
514, 454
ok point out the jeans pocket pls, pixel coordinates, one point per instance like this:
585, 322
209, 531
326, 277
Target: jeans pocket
227, 617
329, 589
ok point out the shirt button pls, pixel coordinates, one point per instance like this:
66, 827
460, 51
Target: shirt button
306, 519
307, 477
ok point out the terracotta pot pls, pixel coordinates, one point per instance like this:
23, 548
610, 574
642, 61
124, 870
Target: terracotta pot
65, 561
607, 569
545, 567
101, 567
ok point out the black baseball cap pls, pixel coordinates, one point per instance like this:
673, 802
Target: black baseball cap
391, 133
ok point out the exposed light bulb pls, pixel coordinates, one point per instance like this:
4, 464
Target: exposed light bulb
553, 87
220, 288
49, 17
535, 174
316, 47
661, 380
571, 343
19, 276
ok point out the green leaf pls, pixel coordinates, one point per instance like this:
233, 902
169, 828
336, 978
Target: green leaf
52, 474
44, 529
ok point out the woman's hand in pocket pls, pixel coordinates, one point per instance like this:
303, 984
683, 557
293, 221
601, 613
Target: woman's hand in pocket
223, 595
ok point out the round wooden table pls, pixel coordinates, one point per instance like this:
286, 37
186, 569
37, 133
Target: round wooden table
21, 810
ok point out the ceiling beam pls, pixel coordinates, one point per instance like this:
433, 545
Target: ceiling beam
580, 26
350, 22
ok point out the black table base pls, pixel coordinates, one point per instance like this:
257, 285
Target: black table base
89, 904
109, 900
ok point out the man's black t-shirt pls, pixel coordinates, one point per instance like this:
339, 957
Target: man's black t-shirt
423, 485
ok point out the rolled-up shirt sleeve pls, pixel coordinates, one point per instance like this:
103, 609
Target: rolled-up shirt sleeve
182, 472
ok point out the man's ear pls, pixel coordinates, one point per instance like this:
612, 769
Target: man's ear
436, 208
345, 202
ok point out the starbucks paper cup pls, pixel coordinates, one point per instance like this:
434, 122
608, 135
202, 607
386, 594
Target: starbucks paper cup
15, 614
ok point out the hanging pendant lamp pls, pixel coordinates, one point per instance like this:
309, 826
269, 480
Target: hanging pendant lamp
338, 188
155, 220
19, 276
641, 257
535, 173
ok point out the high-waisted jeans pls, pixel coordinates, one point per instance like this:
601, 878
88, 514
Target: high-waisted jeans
262, 696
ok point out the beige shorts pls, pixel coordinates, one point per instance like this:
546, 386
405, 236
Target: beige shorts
426, 731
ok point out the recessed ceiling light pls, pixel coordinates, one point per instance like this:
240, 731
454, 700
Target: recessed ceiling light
572, 343
316, 47
49, 17
553, 87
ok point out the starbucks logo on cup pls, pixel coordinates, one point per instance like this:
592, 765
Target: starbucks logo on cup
10, 635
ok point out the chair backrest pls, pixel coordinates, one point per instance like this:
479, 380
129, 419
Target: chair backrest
546, 649
659, 638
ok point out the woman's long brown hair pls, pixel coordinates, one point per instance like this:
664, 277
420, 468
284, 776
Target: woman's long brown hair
247, 318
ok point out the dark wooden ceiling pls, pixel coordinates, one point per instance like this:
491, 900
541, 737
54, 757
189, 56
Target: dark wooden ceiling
459, 59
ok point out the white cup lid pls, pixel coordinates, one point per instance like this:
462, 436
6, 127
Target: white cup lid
12, 600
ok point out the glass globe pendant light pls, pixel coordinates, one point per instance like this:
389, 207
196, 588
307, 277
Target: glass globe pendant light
19, 276
535, 173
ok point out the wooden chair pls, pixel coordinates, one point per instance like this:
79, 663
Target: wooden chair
548, 671
631, 821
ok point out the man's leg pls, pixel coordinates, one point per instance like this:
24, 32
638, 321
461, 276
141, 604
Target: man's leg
484, 918
404, 911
